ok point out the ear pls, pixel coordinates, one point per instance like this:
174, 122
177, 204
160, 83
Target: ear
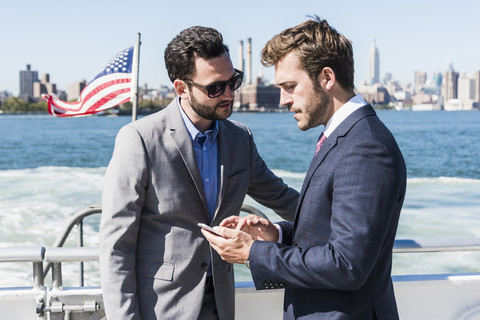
180, 88
327, 76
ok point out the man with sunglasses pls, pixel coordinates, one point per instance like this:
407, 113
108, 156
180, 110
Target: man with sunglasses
184, 165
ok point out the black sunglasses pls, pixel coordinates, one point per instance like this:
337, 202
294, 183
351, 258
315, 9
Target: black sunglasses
216, 89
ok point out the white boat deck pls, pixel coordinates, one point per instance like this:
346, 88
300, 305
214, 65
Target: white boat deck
419, 297
435, 296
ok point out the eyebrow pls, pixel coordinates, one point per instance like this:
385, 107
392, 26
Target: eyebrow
235, 72
289, 82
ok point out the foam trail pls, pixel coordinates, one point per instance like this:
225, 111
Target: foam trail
36, 203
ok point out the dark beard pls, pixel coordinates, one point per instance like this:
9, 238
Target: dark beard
318, 110
209, 112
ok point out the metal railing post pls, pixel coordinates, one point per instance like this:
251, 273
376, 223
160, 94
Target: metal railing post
80, 244
57, 281
38, 275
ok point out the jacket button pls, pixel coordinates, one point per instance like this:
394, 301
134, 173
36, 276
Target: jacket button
204, 266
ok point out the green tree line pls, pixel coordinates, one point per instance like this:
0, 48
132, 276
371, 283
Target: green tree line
17, 105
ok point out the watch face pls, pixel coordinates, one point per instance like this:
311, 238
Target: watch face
247, 263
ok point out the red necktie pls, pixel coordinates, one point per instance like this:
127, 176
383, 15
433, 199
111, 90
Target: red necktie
320, 142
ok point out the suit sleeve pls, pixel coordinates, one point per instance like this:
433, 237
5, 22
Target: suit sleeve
268, 189
365, 191
287, 232
122, 201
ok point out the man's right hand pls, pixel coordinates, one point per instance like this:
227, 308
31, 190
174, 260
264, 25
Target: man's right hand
259, 228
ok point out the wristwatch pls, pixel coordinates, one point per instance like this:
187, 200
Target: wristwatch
247, 263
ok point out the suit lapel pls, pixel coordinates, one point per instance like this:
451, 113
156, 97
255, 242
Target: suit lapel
330, 143
327, 145
183, 142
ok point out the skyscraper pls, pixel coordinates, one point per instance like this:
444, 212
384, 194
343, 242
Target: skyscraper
43, 86
466, 87
374, 65
27, 78
420, 78
76, 88
477, 88
450, 84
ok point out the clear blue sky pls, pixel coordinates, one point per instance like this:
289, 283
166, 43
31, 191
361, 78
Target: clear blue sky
73, 40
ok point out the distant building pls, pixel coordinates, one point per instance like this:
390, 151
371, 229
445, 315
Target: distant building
477, 87
254, 96
404, 96
466, 92
437, 79
3, 96
450, 84
43, 86
258, 97
423, 101
374, 94
27, 79
374, 65
420, 80
248, 67
74, 90
241, 61
387, 78
162, 93
466, 87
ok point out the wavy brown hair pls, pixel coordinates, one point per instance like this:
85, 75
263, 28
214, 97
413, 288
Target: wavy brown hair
318, 45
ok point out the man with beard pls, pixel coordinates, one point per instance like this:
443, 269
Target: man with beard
169, 171
334, 260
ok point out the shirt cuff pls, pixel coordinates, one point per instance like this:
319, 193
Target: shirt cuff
280, 234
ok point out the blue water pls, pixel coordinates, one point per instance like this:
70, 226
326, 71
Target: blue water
434, 144
51, 168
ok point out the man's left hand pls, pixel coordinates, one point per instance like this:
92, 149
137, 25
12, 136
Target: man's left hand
233, 245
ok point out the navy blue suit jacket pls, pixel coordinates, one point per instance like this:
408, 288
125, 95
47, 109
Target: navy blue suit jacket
336, 257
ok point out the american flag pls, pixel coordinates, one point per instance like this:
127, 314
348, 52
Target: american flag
111, 87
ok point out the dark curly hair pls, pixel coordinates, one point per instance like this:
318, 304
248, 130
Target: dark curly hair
189, 44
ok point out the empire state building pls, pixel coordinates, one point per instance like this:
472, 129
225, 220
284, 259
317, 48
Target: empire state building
374, 66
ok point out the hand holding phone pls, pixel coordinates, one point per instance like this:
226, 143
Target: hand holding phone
207, 227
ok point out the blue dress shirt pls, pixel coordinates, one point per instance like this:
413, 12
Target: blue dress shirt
205, 147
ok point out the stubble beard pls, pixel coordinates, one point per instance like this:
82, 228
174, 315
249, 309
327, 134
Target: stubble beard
210, 112
315, 110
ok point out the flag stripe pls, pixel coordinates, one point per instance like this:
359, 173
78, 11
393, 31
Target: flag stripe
111, 87
99, 90
109, 99
106, 86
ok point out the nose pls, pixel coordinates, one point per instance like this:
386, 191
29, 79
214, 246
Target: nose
285, 99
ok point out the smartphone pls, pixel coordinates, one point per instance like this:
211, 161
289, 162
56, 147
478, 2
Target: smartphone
203, 225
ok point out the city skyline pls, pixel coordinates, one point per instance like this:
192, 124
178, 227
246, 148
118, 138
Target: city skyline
72, 44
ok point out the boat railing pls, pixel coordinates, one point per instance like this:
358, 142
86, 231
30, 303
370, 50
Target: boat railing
436, 245
60, 302
77, 220
400, 246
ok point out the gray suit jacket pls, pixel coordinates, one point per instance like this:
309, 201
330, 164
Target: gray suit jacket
153, 257
336, 258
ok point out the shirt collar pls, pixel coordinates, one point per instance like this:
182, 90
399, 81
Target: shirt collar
191, 127
342, 113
